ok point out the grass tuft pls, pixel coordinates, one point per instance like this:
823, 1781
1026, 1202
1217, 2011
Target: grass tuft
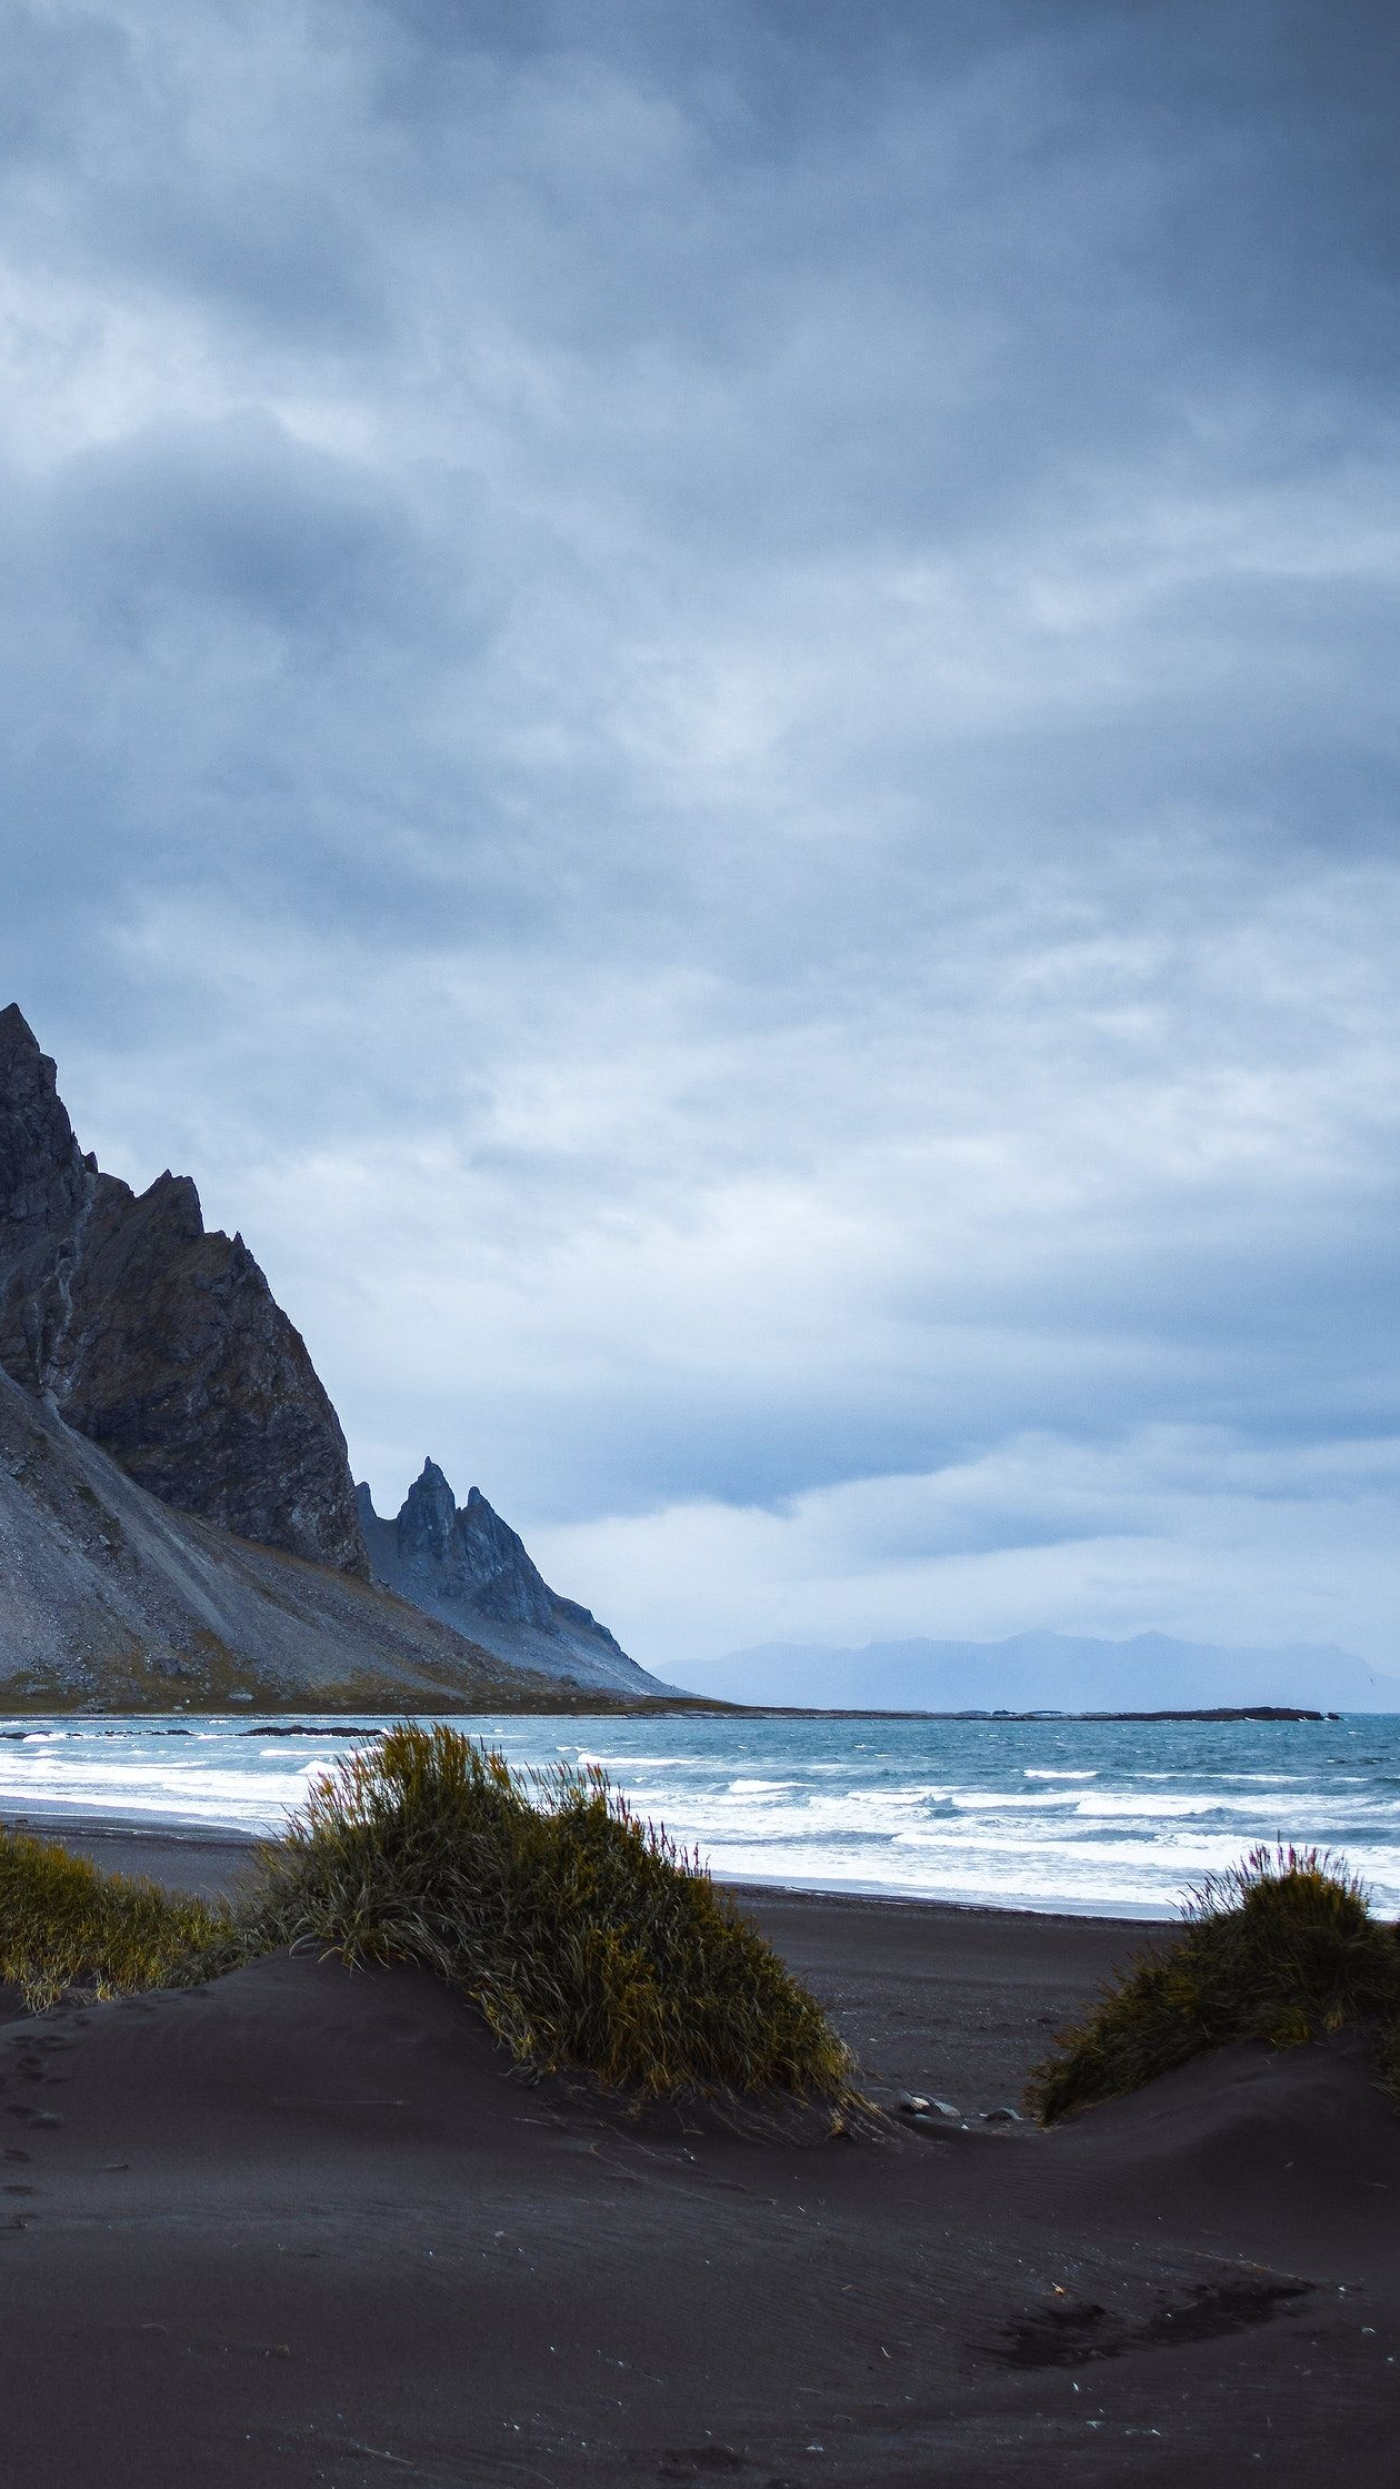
64, 1924
585, 1938
1281, 1948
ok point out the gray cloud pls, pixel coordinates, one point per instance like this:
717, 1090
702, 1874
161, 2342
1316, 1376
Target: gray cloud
702, 705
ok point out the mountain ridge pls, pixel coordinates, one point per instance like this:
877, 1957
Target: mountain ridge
469, 1568
111, 1598
1042, 1671
178, 1521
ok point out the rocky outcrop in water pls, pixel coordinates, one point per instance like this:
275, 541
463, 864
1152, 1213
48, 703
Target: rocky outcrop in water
468, 1567
158, 1341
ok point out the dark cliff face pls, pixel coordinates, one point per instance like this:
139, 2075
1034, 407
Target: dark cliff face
45, 1183
158, 1341
468, 1567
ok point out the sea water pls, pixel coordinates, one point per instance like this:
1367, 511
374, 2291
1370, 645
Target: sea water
1109, 1817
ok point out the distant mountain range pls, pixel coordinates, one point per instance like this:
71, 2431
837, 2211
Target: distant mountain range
178, 1522
1044, 1672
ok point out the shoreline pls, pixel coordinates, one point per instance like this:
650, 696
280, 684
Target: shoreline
593, 1706
128, 1844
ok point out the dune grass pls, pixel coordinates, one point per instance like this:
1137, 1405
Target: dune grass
64, 1924
1282, 1948
584, 1937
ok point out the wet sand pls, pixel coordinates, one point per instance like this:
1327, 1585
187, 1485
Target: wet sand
306, 2227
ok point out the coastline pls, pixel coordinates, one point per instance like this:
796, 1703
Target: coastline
1110, 1822
175, 1849
596, 1704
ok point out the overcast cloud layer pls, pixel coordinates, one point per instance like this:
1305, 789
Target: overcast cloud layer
699, 697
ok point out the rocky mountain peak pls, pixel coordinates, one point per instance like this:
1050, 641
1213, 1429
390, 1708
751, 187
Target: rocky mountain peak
467, 1566
427, 1518
158, 1340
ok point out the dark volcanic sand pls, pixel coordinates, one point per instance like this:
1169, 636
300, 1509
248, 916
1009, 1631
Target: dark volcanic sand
303, 2228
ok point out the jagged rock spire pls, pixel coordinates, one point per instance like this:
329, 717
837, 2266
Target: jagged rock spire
467, 1566
426, 1521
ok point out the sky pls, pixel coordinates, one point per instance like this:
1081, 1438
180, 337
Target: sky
698, 696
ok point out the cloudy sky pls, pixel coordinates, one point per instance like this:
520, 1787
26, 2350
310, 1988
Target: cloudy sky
700, 698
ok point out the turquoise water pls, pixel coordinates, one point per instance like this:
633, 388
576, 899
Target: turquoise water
1109, 1817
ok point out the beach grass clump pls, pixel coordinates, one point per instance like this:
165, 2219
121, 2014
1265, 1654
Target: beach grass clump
586, 1938
1281, 1948
65, 1925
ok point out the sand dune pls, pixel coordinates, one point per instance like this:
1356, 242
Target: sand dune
306, 2227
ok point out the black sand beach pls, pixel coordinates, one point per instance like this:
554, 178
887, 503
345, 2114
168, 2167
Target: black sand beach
305, 2227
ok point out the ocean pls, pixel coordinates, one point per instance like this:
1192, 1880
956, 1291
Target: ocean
1109, 1818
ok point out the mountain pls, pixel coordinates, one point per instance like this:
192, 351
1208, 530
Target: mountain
1044, 1672
160, 1342
468, 1568
110, 1597
176, 1505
